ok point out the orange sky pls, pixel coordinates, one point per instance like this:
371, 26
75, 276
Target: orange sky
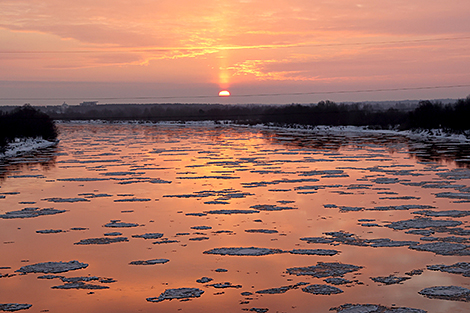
97, 49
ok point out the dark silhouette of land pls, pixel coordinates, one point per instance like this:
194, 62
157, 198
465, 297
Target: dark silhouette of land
25, 122
28, 121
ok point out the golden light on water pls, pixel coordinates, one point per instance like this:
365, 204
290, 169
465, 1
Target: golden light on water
224, 93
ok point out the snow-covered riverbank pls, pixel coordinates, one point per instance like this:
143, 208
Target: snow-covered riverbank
25, 146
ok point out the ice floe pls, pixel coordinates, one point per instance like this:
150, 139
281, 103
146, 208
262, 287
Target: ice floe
262, 231
462, 268
119, 224
178, 293
149, 236
101, 241
243, 251
49, 231
443, 248
11, 307
455, 293
282, 289
314, 252
204, 280
373, 308
422, 223
324, 269
318, 289
389, 280
30, 213
225, 285
52, 267
150, 262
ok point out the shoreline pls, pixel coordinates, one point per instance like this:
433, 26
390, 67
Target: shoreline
25, 145
427, 134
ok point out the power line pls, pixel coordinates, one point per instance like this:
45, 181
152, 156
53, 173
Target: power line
240, 95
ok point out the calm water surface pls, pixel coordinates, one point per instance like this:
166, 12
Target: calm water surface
247, 188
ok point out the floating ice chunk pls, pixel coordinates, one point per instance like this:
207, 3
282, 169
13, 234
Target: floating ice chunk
386, 242
160, 181
414, 272
201, 227
271, 207
386, 180
30, 212
262, 231
422, 223
243, 251
122, 173
317, 240
196, 214
373, 308
280, 290
199, 238
450, 213
225, 285
318, 289
229, 212
324, 269
149, 236
133, 200
221, 270
179, 293
49, 231
443, 248
150, 262
113, 234
204, 280
119, 224
27, 176
453, 195
401, 207
80, 285
52, 267
457, 268
101, 241
67, 200
11, 307
326, 172
458, 173
389, 280
455, 293
314, 252
337, 281
257, 310
82, 179
164, 241
350, 209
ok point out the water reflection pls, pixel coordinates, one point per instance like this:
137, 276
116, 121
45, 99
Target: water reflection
39, 160
267, 215
424, 150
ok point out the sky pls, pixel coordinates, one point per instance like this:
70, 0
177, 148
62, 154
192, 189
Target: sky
277, 51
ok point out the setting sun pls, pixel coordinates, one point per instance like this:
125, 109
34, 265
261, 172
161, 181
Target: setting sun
224, 93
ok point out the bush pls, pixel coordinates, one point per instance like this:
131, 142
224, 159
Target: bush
26, 122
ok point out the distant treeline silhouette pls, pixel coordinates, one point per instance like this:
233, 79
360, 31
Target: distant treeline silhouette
25, 122
426, 115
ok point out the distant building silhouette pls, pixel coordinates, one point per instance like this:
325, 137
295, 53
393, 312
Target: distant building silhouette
88, 103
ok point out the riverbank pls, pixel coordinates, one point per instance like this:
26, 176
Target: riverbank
25, 145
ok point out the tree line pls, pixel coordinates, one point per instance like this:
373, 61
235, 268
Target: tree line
428, 114
28, 121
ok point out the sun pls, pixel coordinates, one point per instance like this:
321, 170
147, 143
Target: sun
224, 93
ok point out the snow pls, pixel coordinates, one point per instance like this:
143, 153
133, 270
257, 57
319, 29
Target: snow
25, 145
